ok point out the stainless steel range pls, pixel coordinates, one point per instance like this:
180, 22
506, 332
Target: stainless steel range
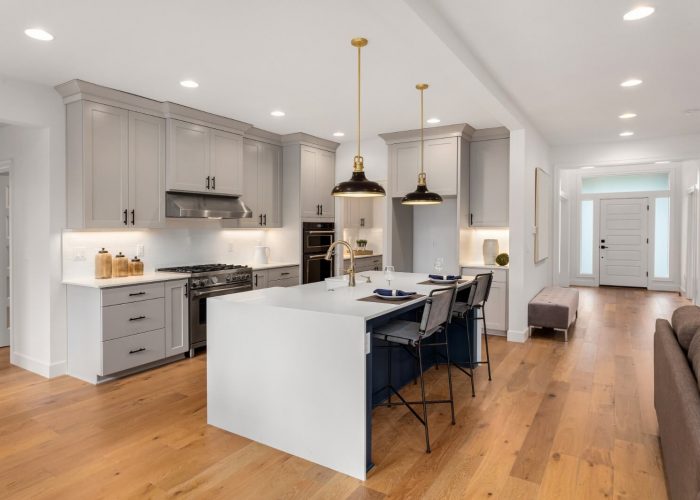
210, 280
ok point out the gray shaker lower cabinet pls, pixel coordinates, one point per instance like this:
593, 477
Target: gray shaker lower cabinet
276, 276
115, 331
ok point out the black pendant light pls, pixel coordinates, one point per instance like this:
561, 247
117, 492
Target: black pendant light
358, 186
421, 196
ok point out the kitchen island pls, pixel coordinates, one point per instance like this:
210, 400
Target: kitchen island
292, 368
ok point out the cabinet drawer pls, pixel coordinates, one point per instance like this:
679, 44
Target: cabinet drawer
293, 281
499, 275
134, 350
134, 293
136, 317
283, 273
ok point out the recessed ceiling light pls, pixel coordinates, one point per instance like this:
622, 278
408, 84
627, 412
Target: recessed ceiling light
190, 84
338, 134
626, 133
432, 120
663, 162
627, 116
587, 168
277, 113
638, 13
632, 82
38, 34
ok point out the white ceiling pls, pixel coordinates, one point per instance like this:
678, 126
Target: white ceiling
563, 61
249, 58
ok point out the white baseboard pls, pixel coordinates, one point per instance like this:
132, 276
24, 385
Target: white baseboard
518, 336
39, 367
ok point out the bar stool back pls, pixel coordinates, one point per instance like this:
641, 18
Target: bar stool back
436, 315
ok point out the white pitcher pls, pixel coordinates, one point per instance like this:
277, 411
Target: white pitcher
261, 255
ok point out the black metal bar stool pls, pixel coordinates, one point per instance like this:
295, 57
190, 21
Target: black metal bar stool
411, 335
478, 295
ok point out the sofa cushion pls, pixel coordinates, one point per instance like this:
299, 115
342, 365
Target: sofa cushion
694, 357
686, 323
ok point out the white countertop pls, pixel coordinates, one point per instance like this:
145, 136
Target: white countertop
129, 280
485, 266
316, 297
272, 265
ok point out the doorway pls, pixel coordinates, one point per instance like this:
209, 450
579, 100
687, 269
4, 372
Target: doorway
624, 241
4, 257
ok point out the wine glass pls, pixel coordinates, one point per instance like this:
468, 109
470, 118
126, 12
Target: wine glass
389, 274
439, 265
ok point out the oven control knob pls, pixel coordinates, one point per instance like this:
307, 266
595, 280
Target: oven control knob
196, 283
214, 280
229, 278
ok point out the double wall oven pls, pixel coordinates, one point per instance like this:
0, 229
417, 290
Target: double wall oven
205, 281
317, 237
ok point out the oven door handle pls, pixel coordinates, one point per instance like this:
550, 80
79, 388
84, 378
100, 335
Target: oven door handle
321, 232
316, 257
221, 291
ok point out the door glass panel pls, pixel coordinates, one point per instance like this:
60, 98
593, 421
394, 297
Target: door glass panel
586, 251
628, 183
662, 238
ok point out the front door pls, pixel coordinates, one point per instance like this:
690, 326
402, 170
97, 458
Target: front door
623, 242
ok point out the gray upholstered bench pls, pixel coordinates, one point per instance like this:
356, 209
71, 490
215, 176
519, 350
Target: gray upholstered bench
555, 308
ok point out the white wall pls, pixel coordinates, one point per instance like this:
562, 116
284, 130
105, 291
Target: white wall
170, 247
528, 151
38, 182
690, 171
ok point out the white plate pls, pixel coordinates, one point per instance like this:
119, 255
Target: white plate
443, 282
392, 297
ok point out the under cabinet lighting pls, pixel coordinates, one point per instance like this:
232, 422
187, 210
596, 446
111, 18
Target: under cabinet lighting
638, 13
38, 34
190, 84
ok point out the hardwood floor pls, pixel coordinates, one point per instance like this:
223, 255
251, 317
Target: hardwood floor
558, 421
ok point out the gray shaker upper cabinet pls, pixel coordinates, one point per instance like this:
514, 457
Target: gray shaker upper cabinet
204, 160
115, 167
317, 181
262, 177
488, 178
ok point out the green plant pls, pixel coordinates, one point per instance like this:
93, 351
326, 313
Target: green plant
502, 259
361, 243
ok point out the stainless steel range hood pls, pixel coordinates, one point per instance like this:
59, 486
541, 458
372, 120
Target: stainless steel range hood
205, 206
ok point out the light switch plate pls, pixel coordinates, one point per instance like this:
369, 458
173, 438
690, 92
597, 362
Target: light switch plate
140, 250
79, 254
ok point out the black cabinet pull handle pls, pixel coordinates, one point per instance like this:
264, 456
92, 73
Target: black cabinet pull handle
213, 182
265, 219
136, 293
260, 223
186, 284
137, 318
471, 219
284, 274
603, 247
256, 280
321, 209
125, 220
134, 351
133, 217
208, 180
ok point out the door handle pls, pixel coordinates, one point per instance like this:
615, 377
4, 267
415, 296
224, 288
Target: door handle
136, 294
265, 220
603, 247
134, 351
137, 318
471, 219
321, 209
213, 183
208, 181
125, 219
256, 280
133, 217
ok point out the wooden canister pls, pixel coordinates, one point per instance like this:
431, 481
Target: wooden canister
120, 266
135, 267
103, 264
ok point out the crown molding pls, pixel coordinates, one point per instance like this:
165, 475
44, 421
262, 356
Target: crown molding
490, 134
310, 140
458, 130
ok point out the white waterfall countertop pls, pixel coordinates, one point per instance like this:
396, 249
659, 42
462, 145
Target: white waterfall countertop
288, 367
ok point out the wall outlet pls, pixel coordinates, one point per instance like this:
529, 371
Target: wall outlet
140, 250
79, 254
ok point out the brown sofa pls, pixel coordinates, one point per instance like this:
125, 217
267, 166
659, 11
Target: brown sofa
677, 400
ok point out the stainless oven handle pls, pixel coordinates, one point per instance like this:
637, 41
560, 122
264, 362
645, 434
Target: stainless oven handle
316, 257
199, 293
320, 232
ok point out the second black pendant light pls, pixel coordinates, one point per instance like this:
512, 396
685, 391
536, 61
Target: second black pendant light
421, 196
